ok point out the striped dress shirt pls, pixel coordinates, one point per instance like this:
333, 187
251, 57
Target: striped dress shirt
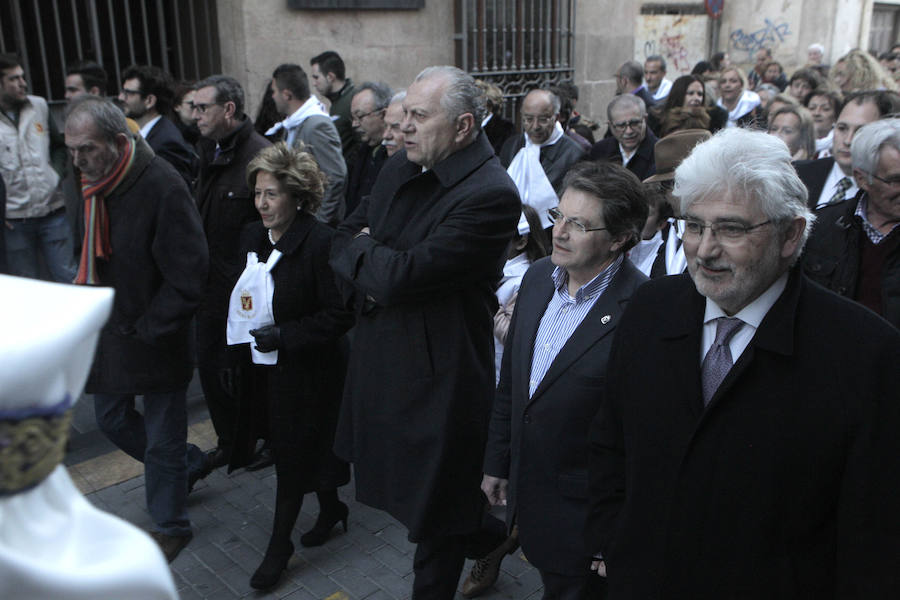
563, 315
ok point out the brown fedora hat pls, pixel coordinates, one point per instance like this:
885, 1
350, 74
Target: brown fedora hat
674, 148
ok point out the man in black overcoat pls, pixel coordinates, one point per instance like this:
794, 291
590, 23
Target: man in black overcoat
747, 447
421, 256
225, 202
149, 247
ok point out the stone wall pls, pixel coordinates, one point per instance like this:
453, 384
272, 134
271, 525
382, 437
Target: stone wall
391, 46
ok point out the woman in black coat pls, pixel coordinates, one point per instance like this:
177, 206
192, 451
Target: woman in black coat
303, 389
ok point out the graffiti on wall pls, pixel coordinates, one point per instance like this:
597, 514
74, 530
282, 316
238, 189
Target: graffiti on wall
771, 35
680, 39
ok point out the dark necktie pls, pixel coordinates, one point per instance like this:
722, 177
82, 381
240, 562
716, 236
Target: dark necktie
842, 187
718, 361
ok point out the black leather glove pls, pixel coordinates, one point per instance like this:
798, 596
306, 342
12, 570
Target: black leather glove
268, 338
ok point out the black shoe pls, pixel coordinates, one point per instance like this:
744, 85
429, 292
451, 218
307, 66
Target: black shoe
268, 574
201, 473
218, 457
264, 458
318, 535
170, 545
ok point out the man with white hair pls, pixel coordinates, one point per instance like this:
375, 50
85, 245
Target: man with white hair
855, 247
747, 447
418, 261
815, 58
539, 158
392, 138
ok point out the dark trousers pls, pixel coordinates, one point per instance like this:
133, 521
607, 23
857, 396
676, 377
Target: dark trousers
589, 586
158, 438
215, 373
438, 562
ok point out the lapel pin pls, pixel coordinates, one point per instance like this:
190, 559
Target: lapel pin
605, 319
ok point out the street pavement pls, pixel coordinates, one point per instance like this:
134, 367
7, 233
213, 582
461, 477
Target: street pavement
232, 516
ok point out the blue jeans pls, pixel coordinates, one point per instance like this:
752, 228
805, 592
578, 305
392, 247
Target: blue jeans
159, 440
51, 236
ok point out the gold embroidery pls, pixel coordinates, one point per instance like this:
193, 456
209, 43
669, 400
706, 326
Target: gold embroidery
30, 449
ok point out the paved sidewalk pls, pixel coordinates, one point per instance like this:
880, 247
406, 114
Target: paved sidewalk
232, 515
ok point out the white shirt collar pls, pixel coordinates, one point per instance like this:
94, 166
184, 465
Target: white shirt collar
145, 130
754, 313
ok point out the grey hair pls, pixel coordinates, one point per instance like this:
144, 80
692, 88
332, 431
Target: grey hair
657, 58
555, 102
870, 140
633, 71
753, 164
819, 47
227, 90
381, 93
627, 100
398, 97
108, 119
462, 94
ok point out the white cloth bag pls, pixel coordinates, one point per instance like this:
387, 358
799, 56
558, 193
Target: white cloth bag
250, 305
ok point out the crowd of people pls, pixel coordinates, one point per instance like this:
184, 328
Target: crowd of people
663, 341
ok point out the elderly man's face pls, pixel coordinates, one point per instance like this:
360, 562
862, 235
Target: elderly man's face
91, 153
762, 57
814, 57
653, 74
628, 126
393, 135
538, 117
734, 271
211, 116
883, 208
430, 135
367, 121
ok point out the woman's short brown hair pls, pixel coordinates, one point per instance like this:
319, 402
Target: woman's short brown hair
295, 170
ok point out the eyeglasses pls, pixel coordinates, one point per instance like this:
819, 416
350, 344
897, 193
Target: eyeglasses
202, 108
556, 216
623, 125
543, 121
359, 117
725, 231
128, 92
889, 182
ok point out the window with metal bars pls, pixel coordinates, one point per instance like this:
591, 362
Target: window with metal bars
179, 36
518, 45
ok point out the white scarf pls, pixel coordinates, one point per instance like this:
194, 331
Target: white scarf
747, 102
643, 255
311, 107
823, 145
676, 261
528, 174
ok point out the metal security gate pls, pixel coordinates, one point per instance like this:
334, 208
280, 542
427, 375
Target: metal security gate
180, 36
518, 45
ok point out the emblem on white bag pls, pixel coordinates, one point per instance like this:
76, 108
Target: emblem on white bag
246, 302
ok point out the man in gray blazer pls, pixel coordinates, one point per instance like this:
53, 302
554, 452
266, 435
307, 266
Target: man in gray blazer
306, 122
554, 365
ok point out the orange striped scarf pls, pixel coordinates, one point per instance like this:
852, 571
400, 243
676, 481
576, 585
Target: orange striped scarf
96, 220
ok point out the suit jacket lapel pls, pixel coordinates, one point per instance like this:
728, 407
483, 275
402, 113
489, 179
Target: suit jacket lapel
531, 306
600, 321
682, 335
